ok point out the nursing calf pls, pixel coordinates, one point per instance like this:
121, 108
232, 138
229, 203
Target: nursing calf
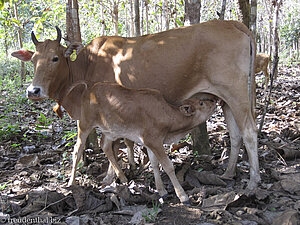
142, 116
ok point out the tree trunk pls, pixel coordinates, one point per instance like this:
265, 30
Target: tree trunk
276, 39
191, 12
142, 17
72, 22
137, 18
199, 134
116, 17
132, 19
222, 13
20, 41
165, 19
245, 10
146, 16
253, 16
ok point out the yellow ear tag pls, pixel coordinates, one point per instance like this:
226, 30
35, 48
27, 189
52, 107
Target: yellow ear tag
73, 56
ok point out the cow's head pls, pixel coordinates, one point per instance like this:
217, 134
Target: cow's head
51, 70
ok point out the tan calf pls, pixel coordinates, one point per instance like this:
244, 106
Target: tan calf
261, 64
142, 116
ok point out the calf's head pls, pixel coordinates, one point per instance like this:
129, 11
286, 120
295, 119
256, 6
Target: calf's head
51, 70
202, 109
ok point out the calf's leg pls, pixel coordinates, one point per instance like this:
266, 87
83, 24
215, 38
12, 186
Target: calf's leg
107, 146
158, 181
110, 175
168, 167
130, 153
78, 149
267, 78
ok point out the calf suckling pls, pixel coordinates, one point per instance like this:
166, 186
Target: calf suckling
141, 115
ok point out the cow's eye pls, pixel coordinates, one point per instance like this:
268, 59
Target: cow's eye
55, 59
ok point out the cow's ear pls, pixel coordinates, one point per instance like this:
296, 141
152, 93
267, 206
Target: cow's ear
23, 54
187, 110
73, 46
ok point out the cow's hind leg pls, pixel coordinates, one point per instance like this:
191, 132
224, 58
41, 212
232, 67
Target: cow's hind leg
235, 140
245, 121
78, 149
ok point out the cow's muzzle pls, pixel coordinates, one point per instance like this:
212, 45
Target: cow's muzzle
34, 93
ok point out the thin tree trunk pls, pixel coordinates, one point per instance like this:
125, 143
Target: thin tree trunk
20, 41
132, 19
276, 40
72, 21
192, 12
245, 10
116, 17
103, 26
175, 16
142, 17
165, 19
253, 16
146, 16
222, 13
137, 18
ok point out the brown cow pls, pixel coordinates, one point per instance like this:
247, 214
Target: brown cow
141, 115
214, 57
261, 64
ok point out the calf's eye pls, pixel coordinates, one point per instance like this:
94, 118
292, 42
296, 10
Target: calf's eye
55, 59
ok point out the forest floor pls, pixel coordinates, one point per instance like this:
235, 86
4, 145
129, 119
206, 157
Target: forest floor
35, 162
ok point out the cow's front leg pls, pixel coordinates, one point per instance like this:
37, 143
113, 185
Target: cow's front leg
78, 149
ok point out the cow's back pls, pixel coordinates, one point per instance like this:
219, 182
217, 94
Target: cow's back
179, 62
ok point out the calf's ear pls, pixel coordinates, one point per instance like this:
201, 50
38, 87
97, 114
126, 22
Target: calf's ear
23, 54
187, 110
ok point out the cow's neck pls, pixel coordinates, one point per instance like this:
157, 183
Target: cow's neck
71, 101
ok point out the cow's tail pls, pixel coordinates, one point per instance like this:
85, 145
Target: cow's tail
57, 108
251, 75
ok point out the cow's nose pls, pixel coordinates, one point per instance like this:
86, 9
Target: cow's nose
34, 92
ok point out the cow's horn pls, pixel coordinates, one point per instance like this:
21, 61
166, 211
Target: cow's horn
33, 38
58, 34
